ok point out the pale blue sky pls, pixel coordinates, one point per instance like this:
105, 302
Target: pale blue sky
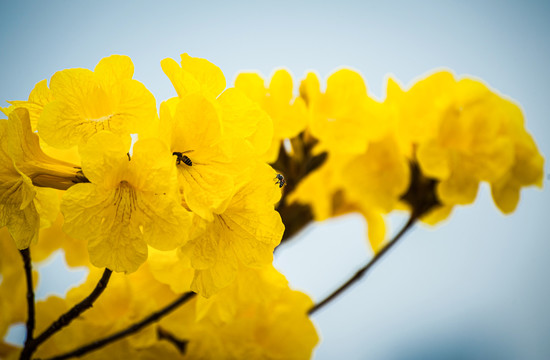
475, 287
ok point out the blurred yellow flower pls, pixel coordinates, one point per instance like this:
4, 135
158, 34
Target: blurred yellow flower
344, 118
287, 111
257, 317
461, 133
128, 299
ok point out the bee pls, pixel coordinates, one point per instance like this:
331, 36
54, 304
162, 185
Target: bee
183, 158
280, 180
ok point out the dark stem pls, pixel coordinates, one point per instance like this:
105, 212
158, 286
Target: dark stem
73, 313
26, 254
296, 216
129, 330
366, 268
181, 345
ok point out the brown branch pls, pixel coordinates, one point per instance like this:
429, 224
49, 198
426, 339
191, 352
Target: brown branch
129, 330
26, 254
73, 313
181, 345
366, 268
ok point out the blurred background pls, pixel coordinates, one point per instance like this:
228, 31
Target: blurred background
474, 287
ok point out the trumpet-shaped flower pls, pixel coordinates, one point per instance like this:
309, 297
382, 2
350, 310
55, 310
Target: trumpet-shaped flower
38, 98
369, 183
86, 102
24, 208
344, 118
128, 299
12, 285
419, 110
240, 117
129, 202
289, 114
194, 75
319, 188
53, 238
245, 233
247, 320
468, 147
462, 133
528, 163
173, 267
208, 163
378, 177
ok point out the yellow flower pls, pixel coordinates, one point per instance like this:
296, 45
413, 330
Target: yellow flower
467, 148
344, 118
370, 184
53, 238
462, 133
246, 233
128, 299
288, 113
13, 285
128, 204
378, 177
38, 98
528, 164
208, 163
240, 117
365, 172
247, 320
244, 119
173, 267
87, 102
419, 110
319, 188
24, 207
194, 75
373, 184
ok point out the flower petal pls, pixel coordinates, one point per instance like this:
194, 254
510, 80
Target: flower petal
207, 74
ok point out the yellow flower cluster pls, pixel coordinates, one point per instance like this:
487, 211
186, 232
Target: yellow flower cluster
194, 197
463, 134
425, 149
193, 187
193, 176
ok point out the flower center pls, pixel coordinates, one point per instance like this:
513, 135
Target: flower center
125, 201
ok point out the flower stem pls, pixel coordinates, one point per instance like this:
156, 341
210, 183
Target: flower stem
129, 330
181, 345
365, 268
78, 309
26, 254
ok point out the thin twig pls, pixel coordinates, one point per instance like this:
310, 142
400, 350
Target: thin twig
366, 268
181, 345
26, 254
73, 313
129, 330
